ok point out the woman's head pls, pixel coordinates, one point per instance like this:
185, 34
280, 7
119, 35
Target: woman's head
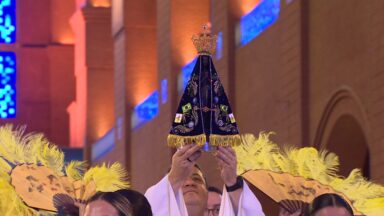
329, 204
118, 203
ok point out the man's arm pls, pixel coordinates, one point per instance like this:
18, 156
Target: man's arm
163, 200
242, 199
227, 161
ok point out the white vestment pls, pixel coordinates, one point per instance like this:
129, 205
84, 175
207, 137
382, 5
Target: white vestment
164, 202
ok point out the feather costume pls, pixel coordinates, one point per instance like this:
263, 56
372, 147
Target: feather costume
35, 181
294, 176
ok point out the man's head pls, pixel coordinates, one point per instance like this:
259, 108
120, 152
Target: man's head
213, 203
195, 190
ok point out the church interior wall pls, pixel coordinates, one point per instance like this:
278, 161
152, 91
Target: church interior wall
343, 53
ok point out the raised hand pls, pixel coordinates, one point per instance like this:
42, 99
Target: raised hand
227, 161
182, 163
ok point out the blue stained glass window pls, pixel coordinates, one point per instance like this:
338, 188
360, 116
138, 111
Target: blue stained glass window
104, 145
164, 91
146, 111
7, 21
259, 19
7, 85
219, 45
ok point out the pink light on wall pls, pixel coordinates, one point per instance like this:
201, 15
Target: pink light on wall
187, 19
75, 132
143, 86
77, 109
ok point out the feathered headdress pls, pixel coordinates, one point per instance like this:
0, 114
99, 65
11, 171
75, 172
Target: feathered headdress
35, 181
294, 176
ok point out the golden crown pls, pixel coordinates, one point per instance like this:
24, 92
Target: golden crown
205, 42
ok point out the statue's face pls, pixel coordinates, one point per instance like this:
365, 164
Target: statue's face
205, 60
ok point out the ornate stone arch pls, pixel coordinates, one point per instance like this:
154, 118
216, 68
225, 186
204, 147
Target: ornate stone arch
343, 129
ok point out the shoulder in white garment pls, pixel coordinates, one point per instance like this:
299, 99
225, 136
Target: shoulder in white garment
164, 202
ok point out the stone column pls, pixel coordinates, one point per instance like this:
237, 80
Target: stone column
94, 105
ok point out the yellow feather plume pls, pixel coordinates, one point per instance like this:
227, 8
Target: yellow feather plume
18, 148
10, 203
4, 176
255, 153
12, 144
371, 207
308, 162
50, 156
284, 162
356, 187
107, 178
331, 163
4, 166
76, 170
33, 147
262, 153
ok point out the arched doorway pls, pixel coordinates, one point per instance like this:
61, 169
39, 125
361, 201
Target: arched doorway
348, 141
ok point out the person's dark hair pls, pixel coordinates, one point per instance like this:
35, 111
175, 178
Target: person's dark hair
214, 189
328, 200
126, 201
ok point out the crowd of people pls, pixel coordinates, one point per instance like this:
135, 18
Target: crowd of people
184, 191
